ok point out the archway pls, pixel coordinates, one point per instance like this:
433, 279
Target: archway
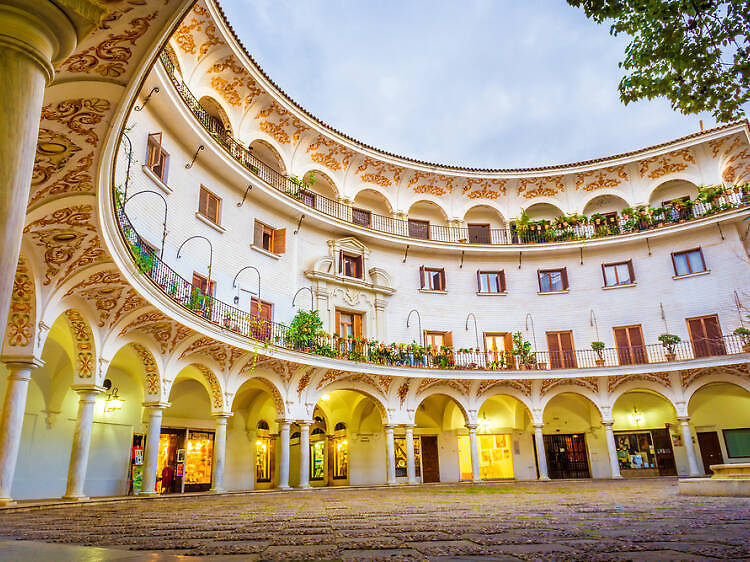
268, 155
604, 205
427, 220
215, 116
439, 420
368, 206
543, 211
672, 190
484, 225
720, 415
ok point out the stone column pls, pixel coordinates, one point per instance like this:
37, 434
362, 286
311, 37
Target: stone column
284, 454
304, 454
151, 453
687, 438
11, 422
614, 464
34, 37
411, 469
220, 451
390, 455
541, 457
79, 453
475, 475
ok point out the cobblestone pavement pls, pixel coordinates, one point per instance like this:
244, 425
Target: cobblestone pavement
564, 520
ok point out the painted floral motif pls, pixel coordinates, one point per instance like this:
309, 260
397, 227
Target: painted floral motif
600, 179
111, 295
217, 398
546, 186
379, 173
151, 372
665, 164
83, 341
20, 329
484, 188
329, 153
277, 122
660, 379
79, 115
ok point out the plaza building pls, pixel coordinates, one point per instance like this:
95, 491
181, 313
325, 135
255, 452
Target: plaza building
174, 220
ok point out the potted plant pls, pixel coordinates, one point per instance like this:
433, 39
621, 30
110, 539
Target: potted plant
744, 335
305, 329
598, 347
522, 350
669, 341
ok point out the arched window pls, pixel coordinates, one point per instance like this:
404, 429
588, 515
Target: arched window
317, 431
341, 426
263, 424
294, 435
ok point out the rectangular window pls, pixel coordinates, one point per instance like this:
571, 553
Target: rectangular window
705, 335
737, 442
401, 457
156, 157
479, 233
270, 239
350, 265
561, 352
630, 348
499, 347
202, 283
432, 279
620, 273
491, 281
437, 339
209, 205
419, 229
361, 217
349, 324
553, 280
689, 261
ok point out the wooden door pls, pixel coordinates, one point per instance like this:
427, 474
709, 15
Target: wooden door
708, 441
705, 334
664, 452
430, 462
629, 342
479, 233
561, 352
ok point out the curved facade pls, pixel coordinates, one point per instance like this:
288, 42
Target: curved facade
183, 210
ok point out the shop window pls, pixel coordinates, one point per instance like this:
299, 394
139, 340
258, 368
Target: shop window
157, 158
419, 229
438, 339
361, 217
317, 459
340, 448
687, 262
350, 265
479, 233
432, 279
737, 442
491, 281
198, 460
200, 282
620, 273
551, 280
262, 317
348, 324
705, 335
263, 459
560, 349
270, 239
209, 205
401, 463
629, 343
645, 453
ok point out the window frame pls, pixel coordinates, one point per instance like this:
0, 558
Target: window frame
423, 278
631, 272
209, 194
204, 283
163, 156
563, 278
356, 259
277, 238
699, 249
500, 281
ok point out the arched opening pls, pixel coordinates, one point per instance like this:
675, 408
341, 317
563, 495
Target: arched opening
215, 117
320, 192
369, 202
504, 431
720, 415
268, 155
574, 441
647, 435
439, 420
427, 220
607, 205
672, 190
484, 225
543, 211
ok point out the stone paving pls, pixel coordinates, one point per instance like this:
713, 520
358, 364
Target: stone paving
564, 520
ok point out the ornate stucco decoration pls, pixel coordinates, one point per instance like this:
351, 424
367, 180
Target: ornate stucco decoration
166, 332
432, 184
479, 188
671, 163
110, 295
329, 153
599, 179
278, 123
546, 186
379, 173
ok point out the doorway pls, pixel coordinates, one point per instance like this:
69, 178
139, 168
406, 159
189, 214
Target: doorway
430, 462
708, 442
566, 455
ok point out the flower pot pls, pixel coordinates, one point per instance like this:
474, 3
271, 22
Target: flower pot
746, 348
669, 356
599, 362
542, 365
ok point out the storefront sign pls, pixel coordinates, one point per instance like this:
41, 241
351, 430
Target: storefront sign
179, 469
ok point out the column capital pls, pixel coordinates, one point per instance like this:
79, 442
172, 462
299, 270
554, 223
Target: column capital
472, 426
683, 419
88, 388
539, 426
156, 405
222, 416
608, 423
304, 423
408, 425
19, 362
284, 421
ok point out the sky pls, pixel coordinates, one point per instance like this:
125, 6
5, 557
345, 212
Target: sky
477, 83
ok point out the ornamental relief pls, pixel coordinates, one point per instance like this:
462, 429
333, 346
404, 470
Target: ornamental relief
737, 168
379, 173
599, 179
79, 115
53, 151
522, 385
278, 123
224, 355
111, 296
479, 188
547, 186
589, 383
240, 79
329, 153
227, 90
661, 379
20, 328
217, 399
671, 163
151, 372
83, 340
166, 333
433, 184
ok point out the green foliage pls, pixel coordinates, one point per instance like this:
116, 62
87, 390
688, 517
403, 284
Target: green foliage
669, 341
144, 258
305, 329
744, 334
695, 53
522, 350
597, 345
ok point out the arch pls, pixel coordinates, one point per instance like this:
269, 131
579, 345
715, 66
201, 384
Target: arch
674, 188
499, 388
424, 209
648, 401
151, 376
448, 392
362, 387
501, 397
373, 200
20, 328
340, 426
267, 153
715, 382
604, 203
267, 386
571, 389
577, 397
84, 351
172, 55
637, 386
218, 117
543, 210
209, 381
484, 213
323, 184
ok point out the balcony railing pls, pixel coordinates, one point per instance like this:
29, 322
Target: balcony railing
512, 234
273, 334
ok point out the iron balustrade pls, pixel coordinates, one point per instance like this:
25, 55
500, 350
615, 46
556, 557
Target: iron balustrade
514, 233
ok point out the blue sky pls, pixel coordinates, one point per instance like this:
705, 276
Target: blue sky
481, 83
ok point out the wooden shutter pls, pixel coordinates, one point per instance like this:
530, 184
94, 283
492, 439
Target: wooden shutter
564, 275
448, 338
674, 264
630, 270
203, 202
337, 329
705, 333
623, 344
553, 346
341, 261
539, 279
502, 281
421, 277
258, 235
638, 351
357, 325
604, 274
279, 241
153, 155
442, 279
479, 281
569, 354
213, 208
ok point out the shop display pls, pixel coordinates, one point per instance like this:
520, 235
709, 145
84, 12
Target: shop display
340, 458
263, 459
645, 453
495, 456
317, 459
401, 466
198, 458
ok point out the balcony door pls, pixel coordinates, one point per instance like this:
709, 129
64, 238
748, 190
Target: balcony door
705, 334
561, 352
630, 348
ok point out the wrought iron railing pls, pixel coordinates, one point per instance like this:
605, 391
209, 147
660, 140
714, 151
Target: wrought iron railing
513, 234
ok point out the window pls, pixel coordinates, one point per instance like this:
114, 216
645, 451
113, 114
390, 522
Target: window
630, 348
737, 442
202, 283
350, 265
705, 334
553, 280
479, 233
270, 239
401, 457
491, 281
361, 217
348, 324
263, 459
620, 273
499, 346
689, 261
561, 352
156, 157
438, 339
209, 205
419, 229
262, 313
432, 279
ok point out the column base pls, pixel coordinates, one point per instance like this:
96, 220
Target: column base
283, 487
148, 494
7, 502
392, 483
305, 487
477, 481
618, 477
412, 483
544, 479
76, 498
216, 491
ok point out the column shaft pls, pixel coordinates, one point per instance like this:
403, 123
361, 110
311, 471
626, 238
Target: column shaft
687, 438
474, 441
390, 454
541, 457
220, 450
411, 470
151, 454
79, 453
304, 455
284, 455
614, 464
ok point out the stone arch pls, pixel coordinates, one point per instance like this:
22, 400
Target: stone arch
426, 209
323, 185
571, 389
578, 396
672, 188
218, 117
485, 212
151, 376
676, 411
268, 386
364, 388
210, 382
638, 386
443, 390
20, 329
505, 391
269, 154
718, 378
604, 201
